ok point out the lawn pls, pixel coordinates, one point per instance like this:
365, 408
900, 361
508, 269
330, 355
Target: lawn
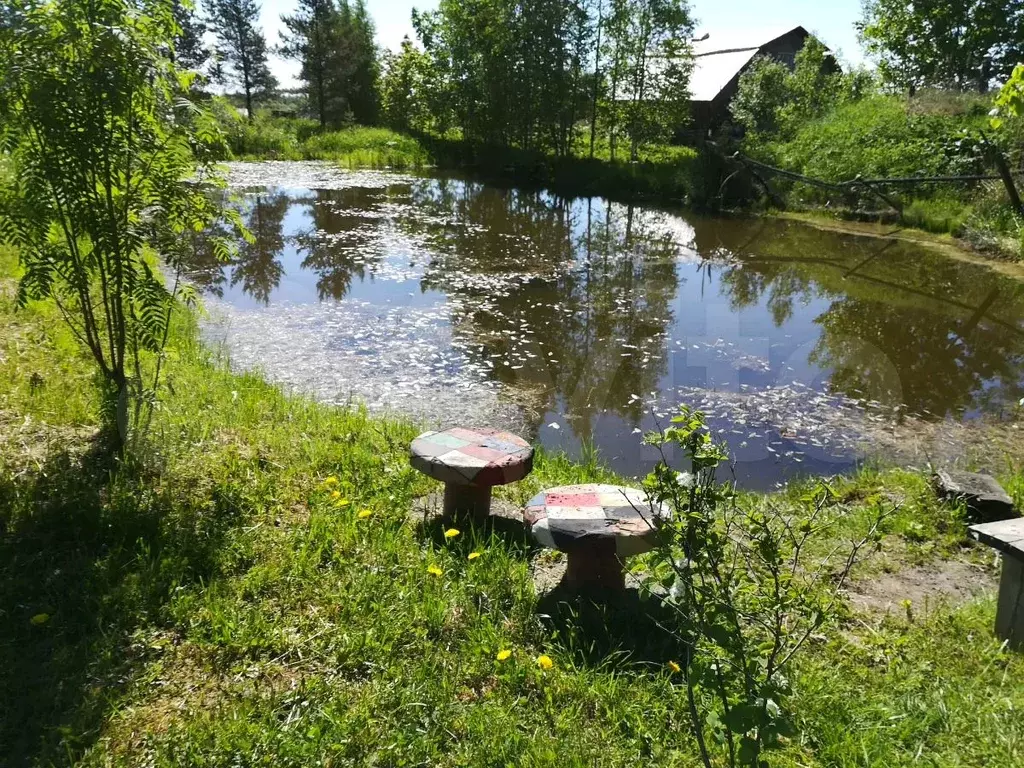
255, 591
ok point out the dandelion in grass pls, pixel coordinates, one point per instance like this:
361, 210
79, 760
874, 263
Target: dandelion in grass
364, 513
433, 570
451, 533
342, 503
674, 667
504, 655
335, 494
544, 662
331, 481
473, 555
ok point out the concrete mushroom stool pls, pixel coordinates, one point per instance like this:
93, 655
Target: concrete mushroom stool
1007, 537
470, 462
597, 526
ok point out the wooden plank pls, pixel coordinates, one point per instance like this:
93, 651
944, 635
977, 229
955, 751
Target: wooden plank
1007, 536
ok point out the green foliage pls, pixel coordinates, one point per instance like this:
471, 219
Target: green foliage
189, 49
649, 67
102, 138
748, 590
335, 48
1010, 100
510, 74
405, 91
1007, 117
241, 53
362, 63
773, 102
281, 138
313, 37
942, 44
880, 137
762, 94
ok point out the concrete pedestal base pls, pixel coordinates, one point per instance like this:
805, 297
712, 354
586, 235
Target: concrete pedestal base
471, 501
1010, 610
595, 565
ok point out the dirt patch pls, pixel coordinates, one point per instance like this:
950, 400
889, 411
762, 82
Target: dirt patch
949, 583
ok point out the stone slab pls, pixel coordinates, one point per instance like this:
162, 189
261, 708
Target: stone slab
982, 494
1006, 536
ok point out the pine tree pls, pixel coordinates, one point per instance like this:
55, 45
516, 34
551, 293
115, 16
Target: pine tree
189, 51
242, 48
314, 39
361, 62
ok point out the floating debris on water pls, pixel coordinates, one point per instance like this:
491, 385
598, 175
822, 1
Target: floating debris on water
584, 322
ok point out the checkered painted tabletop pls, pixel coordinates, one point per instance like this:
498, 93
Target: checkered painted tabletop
560, 518
482, 457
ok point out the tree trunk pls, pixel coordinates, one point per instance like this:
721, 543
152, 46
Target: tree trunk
597, 78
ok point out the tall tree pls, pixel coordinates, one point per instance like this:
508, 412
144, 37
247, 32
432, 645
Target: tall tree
242, 49
314, 38
960, 45
403, 96
189, 50
651, 39
361, 65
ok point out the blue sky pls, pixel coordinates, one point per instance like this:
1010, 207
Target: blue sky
831, 20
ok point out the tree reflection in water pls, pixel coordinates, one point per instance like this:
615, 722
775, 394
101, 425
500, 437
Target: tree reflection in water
904, 326
583, 329
343, 222
575, 305
257, 268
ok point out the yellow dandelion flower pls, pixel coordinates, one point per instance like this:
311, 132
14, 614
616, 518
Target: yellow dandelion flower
473, 555
39, 619
335, 494
364, 513
332, 480
451, 533
674, 666
434, 570
342, 502
503, 655
544, 662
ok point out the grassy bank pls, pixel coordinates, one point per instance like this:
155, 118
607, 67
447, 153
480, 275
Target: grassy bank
269, 138
977, 215
224, 603
662, 174
935, 134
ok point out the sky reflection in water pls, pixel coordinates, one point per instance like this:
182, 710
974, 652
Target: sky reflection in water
445, 299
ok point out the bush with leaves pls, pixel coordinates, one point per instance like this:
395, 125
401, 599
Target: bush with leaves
106, 148
774, 101
1007, 116
750, 588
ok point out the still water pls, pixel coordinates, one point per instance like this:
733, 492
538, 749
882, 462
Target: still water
583, 323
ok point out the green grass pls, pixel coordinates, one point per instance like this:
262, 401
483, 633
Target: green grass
215, 605
268, 138
885, 136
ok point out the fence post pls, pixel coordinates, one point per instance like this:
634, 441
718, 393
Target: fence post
1004, 173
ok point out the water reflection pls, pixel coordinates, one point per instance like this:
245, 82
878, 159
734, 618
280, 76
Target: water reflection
257, 269
596, 317
904, 329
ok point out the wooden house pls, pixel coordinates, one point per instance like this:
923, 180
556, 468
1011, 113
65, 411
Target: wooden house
719, 62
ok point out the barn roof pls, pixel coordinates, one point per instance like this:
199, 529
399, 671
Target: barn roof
719, 58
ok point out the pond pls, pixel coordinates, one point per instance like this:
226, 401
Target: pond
583, 323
